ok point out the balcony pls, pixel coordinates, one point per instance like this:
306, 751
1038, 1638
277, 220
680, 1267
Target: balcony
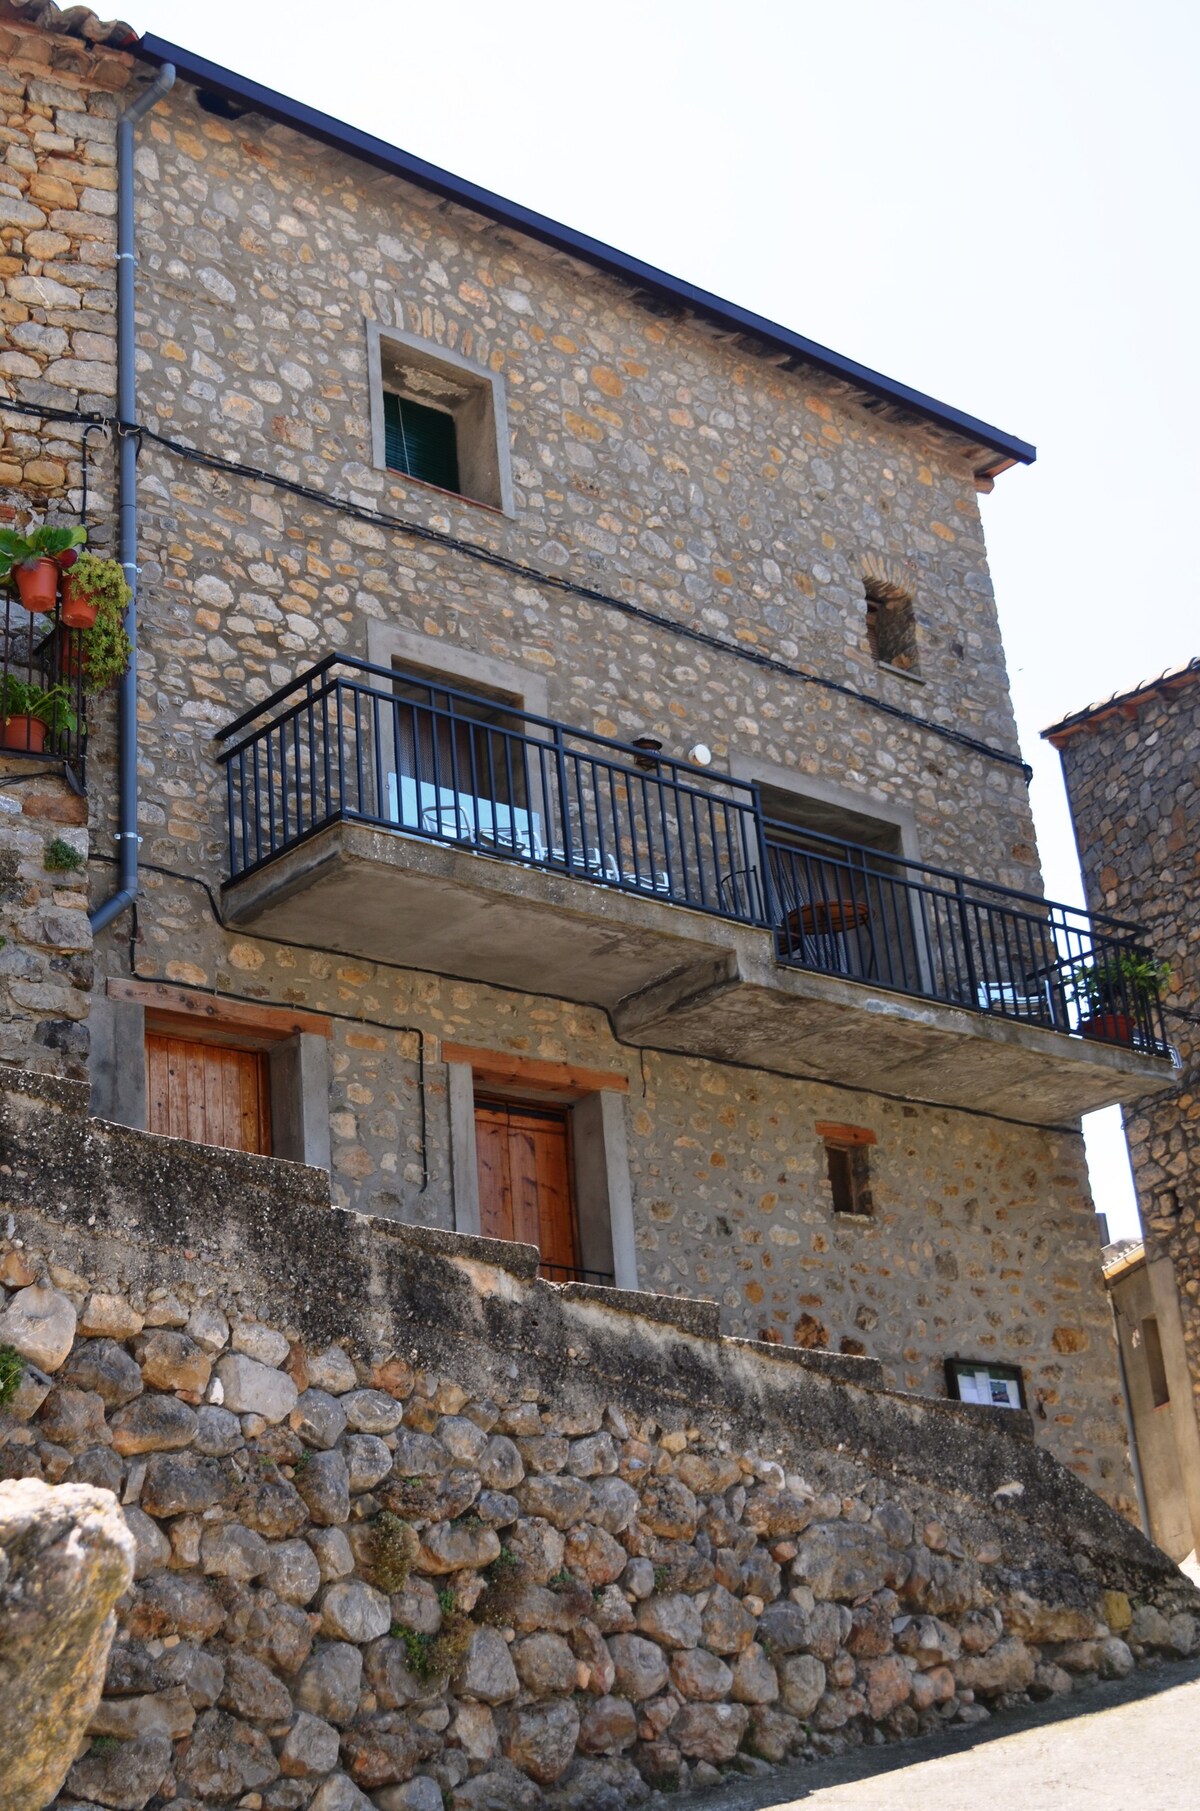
387, 815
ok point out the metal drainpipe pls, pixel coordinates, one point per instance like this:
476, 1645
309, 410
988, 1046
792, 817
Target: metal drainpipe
127, 515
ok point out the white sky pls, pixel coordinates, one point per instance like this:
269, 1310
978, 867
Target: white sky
996, 203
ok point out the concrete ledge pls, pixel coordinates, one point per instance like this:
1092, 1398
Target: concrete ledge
850, 1367
702, 1320
501, 1254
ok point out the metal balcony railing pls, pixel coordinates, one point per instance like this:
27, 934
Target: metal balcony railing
912, 928
39, 655
379, 746
349, 741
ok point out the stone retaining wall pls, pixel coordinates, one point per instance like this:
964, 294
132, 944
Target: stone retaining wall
416, 1529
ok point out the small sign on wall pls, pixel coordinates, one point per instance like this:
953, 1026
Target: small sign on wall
997, 1386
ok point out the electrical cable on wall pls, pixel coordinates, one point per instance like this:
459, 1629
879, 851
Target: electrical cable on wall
349, 1018
532, 574
787, 1075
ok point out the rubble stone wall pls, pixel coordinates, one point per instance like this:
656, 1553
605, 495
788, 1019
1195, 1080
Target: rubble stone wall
1135, 800
45, 938
417, 1529
59, 98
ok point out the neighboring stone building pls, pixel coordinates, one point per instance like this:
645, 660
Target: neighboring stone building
1164, 1432
1132, 770
623, 903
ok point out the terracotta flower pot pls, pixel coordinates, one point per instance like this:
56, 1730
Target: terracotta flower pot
1113, 1027
37, 584
78, 609
25, 733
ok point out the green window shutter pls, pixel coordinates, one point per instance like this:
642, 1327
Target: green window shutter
420, 442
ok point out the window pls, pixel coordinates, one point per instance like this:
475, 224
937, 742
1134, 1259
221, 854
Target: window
420, 441
1155, 1365
982, 1381
841, 911
459, 772
848, 1168
891, 626
438, 418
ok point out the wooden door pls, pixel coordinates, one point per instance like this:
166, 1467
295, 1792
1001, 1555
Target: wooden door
524, 1156
208, 1093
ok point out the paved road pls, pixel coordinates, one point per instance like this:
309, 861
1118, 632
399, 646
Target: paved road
1133, 1743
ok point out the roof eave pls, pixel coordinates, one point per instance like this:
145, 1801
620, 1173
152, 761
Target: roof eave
998, 450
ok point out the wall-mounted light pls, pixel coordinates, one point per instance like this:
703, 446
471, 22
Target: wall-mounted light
652, 746
700, 755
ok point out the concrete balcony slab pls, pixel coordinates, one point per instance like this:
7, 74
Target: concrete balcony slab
670, 978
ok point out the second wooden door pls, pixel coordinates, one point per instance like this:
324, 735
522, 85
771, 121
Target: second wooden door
525, 1192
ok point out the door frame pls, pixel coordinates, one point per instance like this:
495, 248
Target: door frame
593, 1099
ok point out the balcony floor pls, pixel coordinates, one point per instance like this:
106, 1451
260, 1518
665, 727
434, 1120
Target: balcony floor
671, 978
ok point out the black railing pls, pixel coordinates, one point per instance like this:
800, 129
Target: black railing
569, 1273
355, 741
371, 744
39, 655
911, 928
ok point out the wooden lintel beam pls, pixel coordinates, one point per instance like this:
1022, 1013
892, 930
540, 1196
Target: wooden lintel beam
218, 1014
506, 1066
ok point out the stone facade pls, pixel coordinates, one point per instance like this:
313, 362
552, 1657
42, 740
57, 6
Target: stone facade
652, 462
496, 1544
1131, 772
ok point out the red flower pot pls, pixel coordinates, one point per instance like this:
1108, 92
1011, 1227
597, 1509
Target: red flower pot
37, 584
78, 609
25, 733
1113, 1027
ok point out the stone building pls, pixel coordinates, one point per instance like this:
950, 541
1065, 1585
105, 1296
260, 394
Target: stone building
1130, 765
577, 787
1164, 1432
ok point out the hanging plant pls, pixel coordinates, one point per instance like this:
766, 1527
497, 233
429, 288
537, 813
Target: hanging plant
34, 560
92, 586
105, 649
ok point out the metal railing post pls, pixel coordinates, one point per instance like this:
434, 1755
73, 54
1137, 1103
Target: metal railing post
968, 954
564, 807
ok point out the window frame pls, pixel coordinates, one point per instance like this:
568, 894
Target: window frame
484, 453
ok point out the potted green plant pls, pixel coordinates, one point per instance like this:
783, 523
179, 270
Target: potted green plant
28, 713
1111, 991
91, 582
35, 559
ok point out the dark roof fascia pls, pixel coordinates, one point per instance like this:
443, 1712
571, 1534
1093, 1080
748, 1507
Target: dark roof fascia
342, 137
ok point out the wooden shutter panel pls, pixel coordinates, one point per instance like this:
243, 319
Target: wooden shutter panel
420, 442
524, 1159
208, 1093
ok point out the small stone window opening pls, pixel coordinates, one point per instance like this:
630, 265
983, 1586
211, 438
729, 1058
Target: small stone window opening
891, 626
1155, 1364
847, 1166
849, 1179
438, 418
